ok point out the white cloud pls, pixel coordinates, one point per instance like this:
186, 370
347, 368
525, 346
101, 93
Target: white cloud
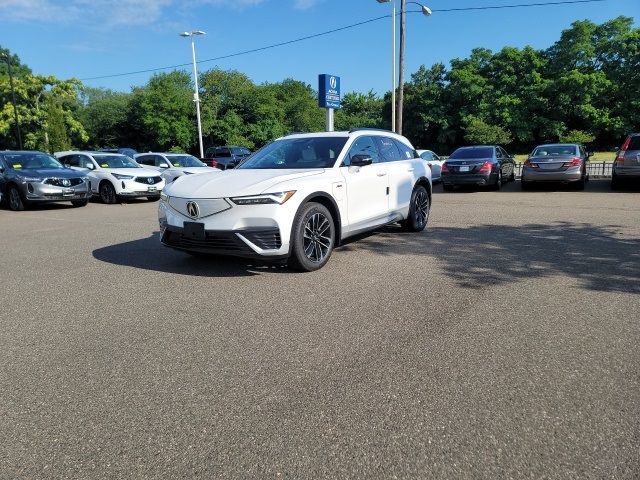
113, 12
304, 4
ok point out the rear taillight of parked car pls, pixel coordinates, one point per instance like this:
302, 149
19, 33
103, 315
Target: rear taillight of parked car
486, 167
444, 169
575, 162
527, 163
623, 150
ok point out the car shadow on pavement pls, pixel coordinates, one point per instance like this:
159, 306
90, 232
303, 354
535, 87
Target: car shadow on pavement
597, 258
149, 254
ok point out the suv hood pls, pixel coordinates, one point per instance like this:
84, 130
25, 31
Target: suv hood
51, 173
132, 172
233, 183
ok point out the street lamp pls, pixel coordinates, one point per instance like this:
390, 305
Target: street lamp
403, 8
196, 95
5, 57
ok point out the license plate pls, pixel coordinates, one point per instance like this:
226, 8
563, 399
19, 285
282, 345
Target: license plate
194, 230
152, 189
549, 166
464, 169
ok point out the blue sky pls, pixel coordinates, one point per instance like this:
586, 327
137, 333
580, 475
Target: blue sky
88, 38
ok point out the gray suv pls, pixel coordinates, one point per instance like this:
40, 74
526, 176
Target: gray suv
28, 177
626, 166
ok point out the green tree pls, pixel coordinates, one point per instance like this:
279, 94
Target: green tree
478, 131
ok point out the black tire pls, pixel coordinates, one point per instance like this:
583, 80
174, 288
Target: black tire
512, 177
498, 185
447, 188
79, 203
14, 199
615, 183
525, 186
312, 238
153, 199
107, 193
419, 209
580, 184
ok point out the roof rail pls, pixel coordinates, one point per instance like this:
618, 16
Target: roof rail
358, 129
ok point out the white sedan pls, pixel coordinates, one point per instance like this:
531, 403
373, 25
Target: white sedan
173, 165
434, 162
299, 197
113, 175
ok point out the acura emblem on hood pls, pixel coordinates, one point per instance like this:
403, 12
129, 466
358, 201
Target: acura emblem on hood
192, 209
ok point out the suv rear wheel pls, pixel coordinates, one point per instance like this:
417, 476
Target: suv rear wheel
418, 210
312, 238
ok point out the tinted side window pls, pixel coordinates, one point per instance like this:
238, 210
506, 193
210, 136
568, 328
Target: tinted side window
634, 144
223, 152
406, 153
70, 160
427, 156
145, 160
498, 152
362, 146
388, 150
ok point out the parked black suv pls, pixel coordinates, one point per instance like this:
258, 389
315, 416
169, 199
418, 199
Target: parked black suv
626, 167
225, 157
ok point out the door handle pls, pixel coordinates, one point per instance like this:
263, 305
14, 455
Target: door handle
382, 174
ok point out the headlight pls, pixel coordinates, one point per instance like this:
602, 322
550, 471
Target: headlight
164, 197
264, 199
122, 177
31, 179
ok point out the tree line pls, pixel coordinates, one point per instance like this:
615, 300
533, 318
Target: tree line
583, 88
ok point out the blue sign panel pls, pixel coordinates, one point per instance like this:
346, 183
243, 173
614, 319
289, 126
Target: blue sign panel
329, 91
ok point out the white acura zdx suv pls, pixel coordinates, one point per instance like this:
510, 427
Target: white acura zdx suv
113, 175
299, 197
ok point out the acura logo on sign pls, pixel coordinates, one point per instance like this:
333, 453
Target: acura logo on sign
66, 182
150, 180
333, 83
192, 209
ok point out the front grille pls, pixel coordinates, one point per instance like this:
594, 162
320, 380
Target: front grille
213, 242
265, 239
57, 182
145, 180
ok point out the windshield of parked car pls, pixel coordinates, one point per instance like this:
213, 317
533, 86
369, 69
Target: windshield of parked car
311, 152
115, 161
31, 161
471, 153
544, 150
185, 161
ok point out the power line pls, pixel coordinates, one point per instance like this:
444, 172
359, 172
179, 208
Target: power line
335, 30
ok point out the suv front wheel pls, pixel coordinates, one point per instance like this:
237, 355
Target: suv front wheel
312, 238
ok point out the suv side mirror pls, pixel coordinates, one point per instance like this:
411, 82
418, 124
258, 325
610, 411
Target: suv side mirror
361, 160
89, 166
164, 165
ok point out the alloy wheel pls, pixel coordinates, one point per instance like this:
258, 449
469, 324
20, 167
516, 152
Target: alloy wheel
317, 237
14, 199
421, 208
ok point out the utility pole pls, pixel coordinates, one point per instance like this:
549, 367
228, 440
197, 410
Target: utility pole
403, 20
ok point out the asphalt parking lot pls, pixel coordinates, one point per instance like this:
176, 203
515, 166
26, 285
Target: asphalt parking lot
500, 343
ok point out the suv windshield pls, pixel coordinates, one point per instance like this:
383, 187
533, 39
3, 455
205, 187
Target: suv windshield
31, 161
115, 161
185, 161
544, 150
472, 152
310, 152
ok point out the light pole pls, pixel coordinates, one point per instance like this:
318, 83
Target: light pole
7, 60
196, 95
403, 8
